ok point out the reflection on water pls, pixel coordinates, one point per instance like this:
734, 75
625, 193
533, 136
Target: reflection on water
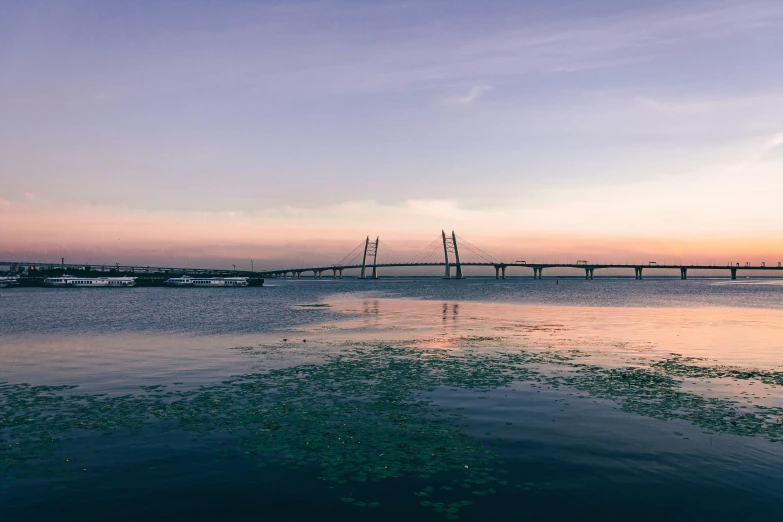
361, 417
734, 336
358, 406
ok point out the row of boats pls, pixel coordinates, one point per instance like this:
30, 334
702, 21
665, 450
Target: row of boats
118, 282
8, 280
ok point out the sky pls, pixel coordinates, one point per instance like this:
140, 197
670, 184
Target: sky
209, 133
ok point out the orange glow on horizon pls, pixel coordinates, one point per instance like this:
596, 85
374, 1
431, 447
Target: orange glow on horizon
45, 233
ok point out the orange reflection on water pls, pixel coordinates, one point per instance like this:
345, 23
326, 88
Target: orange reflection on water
735, 336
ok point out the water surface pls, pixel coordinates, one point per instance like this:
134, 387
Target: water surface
426, 399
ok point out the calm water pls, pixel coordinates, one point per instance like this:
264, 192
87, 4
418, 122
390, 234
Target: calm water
425, 399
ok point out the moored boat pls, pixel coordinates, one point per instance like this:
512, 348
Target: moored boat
206, 281
8, 280
90, 282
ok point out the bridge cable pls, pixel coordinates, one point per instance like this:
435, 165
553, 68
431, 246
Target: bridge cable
484, 256
432, 253
353, 256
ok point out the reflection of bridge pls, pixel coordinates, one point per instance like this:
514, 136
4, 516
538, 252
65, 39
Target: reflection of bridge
365, 256
446, 251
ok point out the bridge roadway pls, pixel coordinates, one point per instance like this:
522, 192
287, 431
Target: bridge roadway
538, 268
337, 270
110, 270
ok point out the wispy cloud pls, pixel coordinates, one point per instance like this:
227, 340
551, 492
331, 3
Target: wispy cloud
773, 142
472, 95
237, 96
423, 55
705, 104
294, 50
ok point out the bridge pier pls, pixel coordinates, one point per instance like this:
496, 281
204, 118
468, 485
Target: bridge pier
638, 271
589, 273
320, 274
683, 273
497, 272
734, 273
503, 271
334, 273
538, 272
341, 273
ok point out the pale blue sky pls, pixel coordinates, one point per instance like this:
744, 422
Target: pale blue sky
290, 112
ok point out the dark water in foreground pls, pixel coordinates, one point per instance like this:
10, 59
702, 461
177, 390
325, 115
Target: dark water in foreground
430, 400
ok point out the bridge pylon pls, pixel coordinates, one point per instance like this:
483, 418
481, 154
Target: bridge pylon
450, 245
364, 258
372, 250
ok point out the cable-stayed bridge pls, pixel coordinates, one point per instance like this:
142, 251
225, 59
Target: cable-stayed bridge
449, 251
452, 251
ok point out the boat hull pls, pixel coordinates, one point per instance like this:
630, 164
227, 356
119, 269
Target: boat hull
212, 282
87, 282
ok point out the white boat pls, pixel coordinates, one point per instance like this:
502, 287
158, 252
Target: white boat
94, 282
206, 281
8, 280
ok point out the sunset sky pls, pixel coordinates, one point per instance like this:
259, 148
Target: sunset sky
211, 133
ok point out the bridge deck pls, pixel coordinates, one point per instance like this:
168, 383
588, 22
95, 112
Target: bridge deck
530, 265
326, 268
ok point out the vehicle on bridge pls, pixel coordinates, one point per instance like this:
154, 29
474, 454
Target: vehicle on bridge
582, 262
653, 263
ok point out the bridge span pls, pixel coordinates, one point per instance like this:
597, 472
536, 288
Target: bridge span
500, 269
445, 251
366, 258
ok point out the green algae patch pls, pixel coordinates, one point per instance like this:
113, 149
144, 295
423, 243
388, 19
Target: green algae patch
360, 417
